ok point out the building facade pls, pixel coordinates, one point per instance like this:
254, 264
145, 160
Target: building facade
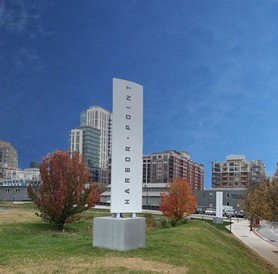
236, 172
205, 199
86, 141
164, 167
101, 119
151, 195
232, 198
16, 190
8, 158
32, 174
34, 165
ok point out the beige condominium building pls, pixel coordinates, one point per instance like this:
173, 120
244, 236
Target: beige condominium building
236, 172
164, 167
98, 117
8, 158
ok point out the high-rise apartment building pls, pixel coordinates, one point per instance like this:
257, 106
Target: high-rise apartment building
163, 167
101, 119
236, 172
8, 158
8, 155
86, 141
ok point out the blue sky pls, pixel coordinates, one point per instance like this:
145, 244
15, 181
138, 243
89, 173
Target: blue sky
209, 71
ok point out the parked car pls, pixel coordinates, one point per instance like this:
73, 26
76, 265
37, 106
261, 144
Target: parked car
199, 211
239, 214
210, 212
230, 213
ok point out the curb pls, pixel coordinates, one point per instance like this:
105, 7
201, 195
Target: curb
263, 238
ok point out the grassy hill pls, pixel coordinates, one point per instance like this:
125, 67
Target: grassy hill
27, 245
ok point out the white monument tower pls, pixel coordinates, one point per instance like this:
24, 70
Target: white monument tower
219, 208
126, 183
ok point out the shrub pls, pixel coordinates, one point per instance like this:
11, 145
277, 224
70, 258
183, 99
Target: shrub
179, 201
63, 193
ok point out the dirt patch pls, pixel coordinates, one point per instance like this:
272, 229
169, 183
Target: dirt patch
92, 265
145, 265
17, 216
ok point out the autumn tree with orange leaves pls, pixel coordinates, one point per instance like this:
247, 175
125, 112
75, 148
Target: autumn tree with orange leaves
65, 189
179, 202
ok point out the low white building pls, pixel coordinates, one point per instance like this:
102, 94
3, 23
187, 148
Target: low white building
16, 190
30, 174
151, 195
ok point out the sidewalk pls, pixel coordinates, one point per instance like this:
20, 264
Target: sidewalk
265, 249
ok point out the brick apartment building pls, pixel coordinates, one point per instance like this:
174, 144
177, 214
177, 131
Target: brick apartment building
163, 167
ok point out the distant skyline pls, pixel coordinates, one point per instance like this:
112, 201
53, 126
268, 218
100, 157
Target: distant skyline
209, 71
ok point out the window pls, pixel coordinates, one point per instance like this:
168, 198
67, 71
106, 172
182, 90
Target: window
211, 195
228, 195
7, 190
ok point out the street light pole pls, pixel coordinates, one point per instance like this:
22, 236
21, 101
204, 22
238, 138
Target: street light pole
147, 196
237, 212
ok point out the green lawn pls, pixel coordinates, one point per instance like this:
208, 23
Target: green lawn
31, 246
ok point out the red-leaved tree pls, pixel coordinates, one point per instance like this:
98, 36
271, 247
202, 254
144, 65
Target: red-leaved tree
65, 188
179, 202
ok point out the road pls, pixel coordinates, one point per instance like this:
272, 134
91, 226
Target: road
194, 216
269, 232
